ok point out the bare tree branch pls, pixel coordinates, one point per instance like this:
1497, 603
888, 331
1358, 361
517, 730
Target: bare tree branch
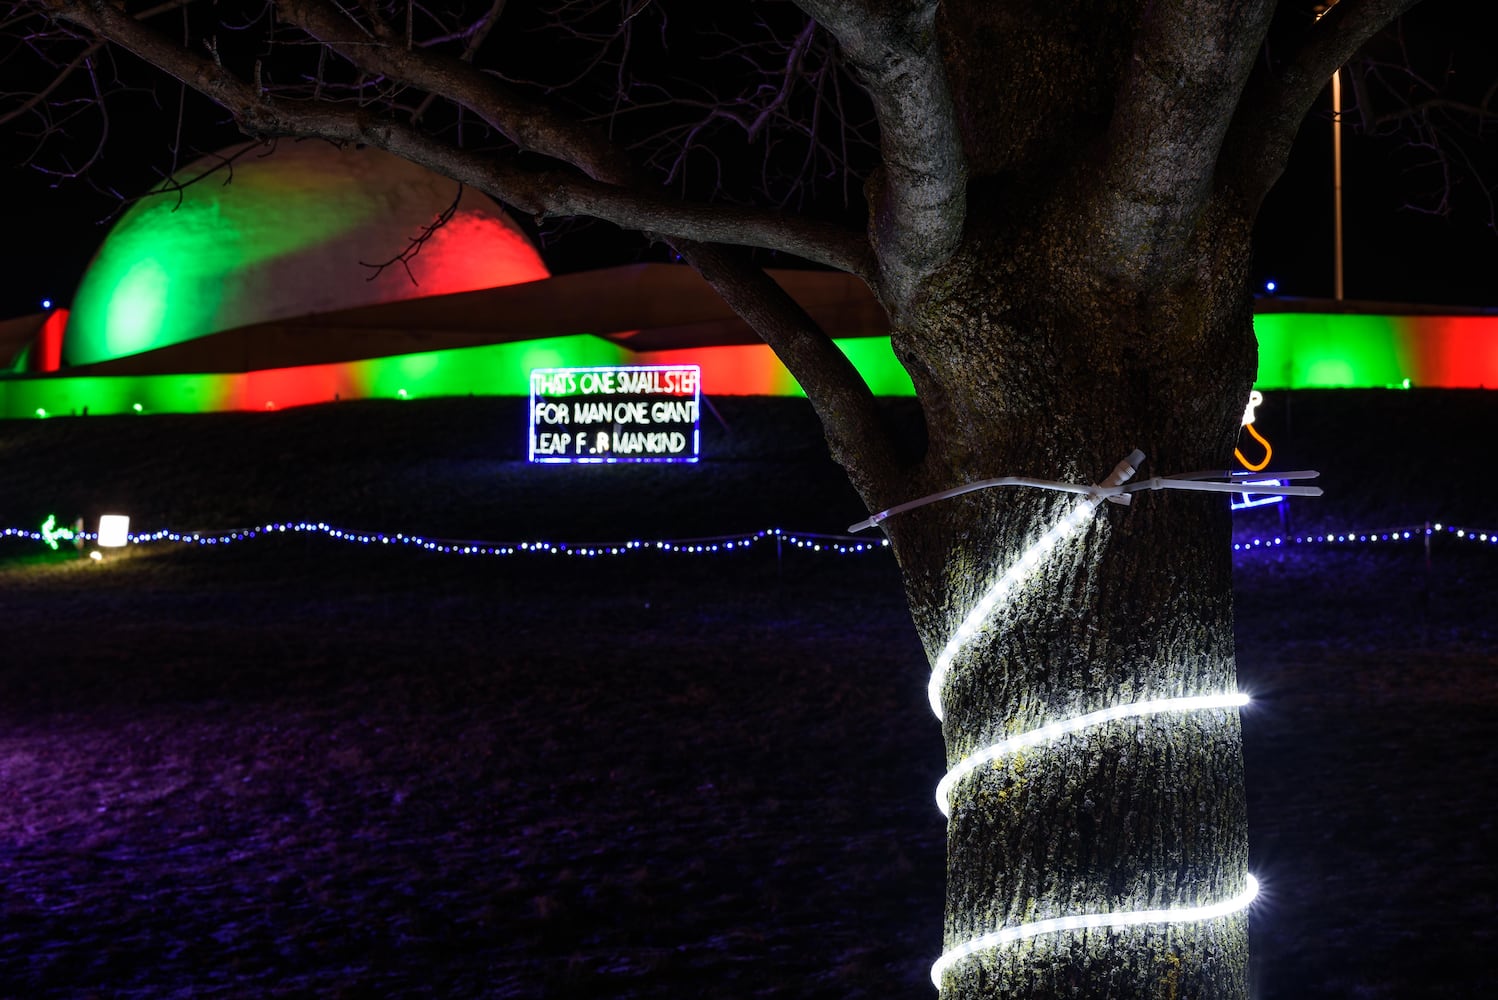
63, 74
171, 184
101, 138
163, 8
1478, 112
476, 38
790, 108
528, 125
843, 401
918, 197
1282, 90
416, 243
538, 193
1191, 59
1446, 120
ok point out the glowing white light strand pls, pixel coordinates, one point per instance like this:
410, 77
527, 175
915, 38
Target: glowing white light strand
1022, 567
1056, 730
1090, 921
1000, 589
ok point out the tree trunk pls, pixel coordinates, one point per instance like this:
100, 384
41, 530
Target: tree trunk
1031, 363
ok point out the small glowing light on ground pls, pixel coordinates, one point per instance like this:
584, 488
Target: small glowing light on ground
114, 531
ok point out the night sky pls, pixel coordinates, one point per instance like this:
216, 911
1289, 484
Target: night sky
1394, 251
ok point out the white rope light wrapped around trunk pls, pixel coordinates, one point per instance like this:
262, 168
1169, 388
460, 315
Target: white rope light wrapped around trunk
1115, 488
997, 592
1022, 567
1090, 921
1056, 730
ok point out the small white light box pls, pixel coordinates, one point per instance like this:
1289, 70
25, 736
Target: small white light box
114, 531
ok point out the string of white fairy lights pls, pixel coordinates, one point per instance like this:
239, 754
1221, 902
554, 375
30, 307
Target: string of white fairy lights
808, 541
1408, 533
1118, 489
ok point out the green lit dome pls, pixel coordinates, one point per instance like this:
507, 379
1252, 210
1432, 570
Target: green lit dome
280, 234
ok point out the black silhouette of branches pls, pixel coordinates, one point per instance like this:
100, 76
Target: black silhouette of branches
418, 241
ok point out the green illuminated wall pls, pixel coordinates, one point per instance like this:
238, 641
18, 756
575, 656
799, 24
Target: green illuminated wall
1336, 351
1297, 351
492, 370
1332, 352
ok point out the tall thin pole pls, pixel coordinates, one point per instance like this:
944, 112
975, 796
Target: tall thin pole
1337, 182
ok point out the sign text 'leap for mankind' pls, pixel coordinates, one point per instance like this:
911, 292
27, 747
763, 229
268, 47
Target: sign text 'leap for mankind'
632, 414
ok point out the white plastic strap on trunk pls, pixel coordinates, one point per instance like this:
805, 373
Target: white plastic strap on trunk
1215, 481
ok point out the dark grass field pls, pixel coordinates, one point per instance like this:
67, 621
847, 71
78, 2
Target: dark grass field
300, 767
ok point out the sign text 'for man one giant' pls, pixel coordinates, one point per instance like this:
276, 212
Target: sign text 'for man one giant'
623, 414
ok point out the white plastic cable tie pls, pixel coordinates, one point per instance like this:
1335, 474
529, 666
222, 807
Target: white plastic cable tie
1268, 485
1246, 474
1122, 473
1109, 488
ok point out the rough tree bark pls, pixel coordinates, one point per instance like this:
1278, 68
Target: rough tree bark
1059, 230
1104, 284
1132, 815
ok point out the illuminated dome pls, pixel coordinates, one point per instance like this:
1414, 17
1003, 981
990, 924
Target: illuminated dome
284, 234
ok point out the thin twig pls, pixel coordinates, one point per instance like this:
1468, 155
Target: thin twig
418, 241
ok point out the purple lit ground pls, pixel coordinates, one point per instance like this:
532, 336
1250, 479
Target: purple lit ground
298, 768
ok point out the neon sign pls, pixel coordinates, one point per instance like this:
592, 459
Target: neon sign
52, 534
646, 413
1255, 400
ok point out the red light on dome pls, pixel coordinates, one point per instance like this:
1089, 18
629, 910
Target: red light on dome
48, 354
